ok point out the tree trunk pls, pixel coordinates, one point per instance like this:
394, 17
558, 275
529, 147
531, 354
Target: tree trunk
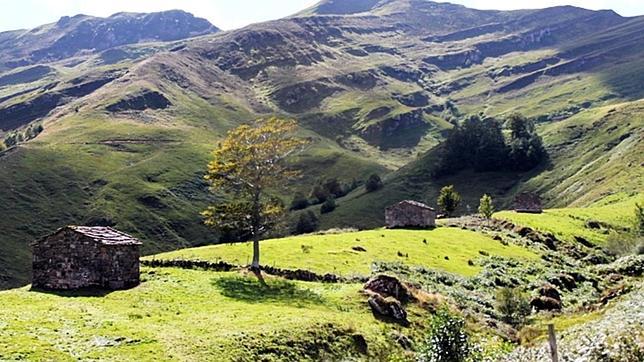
254, 266
255, 263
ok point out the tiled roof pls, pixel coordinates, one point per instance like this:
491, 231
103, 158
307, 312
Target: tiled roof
106, 235
415, 203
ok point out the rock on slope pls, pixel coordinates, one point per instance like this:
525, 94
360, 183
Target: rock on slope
614, 336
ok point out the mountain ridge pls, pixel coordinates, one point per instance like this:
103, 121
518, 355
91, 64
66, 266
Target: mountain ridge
127, 131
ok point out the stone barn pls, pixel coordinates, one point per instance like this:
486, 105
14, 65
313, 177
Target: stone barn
528, 202
80, 256
410, 214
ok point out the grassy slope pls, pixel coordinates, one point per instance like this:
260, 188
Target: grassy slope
191, 315
570, 222
188, 315
152, 188
64, 177
595, 155
333, 253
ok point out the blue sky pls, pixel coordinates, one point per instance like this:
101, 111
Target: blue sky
231, 14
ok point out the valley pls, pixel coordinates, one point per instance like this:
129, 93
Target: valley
112, 122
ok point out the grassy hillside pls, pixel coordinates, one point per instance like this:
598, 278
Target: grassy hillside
128, 131
595, 157
617, 214
194, 315
443, 248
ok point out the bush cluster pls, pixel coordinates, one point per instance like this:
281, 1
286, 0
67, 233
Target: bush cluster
480, 144
447, 340
16, 137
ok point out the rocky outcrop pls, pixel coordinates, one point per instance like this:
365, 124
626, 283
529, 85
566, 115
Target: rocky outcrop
416, 99
389, 286
549, 298
147, 100
386, 298
19, 114
301, 97
388, 307
361, 80
383, 133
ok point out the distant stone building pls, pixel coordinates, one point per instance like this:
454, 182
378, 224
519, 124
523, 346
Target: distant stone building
410, 214
528, 202
80, 256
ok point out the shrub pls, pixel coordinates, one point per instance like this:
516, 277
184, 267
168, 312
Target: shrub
622, 244
486, 209
328, 206
447, 340
374, 183
299, 202
334, 188
448, 200
639, 220
319, 193
513, 305
306, 223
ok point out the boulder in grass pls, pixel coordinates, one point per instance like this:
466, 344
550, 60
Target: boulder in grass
550, 291
545, 303
388, 286
388, 307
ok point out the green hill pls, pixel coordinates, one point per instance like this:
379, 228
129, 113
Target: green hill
375, 85
193, 314
595, 157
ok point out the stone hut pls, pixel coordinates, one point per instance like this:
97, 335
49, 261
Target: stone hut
80, 256
528, 202
410, 214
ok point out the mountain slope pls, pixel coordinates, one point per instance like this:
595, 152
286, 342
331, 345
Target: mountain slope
128, 130
81, 33
594, 155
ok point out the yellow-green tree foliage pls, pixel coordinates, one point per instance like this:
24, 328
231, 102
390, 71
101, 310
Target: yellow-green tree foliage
486, 208
246, 166
448, 200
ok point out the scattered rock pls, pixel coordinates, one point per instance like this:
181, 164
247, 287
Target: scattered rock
388, 286
545, 303
388, 307
402, 340
549, 290
360, 343
358, 248
583, 241
564, 281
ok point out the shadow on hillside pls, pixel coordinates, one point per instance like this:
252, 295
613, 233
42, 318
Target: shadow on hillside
76, 293
249, 289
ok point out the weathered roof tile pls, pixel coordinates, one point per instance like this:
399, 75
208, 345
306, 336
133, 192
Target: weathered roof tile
106, 235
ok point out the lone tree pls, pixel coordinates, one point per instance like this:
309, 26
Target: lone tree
245, 166
486, 208
448, 200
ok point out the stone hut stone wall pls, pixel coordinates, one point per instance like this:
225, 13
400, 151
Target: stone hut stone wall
78, 257
528, 202
410, 214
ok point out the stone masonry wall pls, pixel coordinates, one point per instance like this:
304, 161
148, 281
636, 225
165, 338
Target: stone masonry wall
404, 215
69, 260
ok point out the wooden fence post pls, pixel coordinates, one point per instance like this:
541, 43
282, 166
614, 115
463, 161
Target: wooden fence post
553, 343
